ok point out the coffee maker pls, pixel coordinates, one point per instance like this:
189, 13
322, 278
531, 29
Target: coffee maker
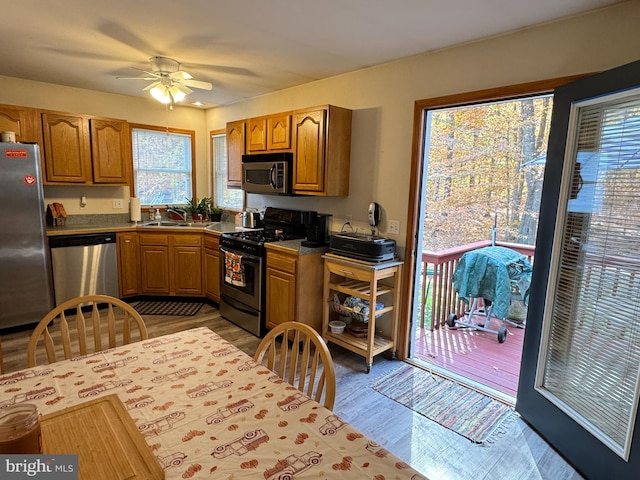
318, 228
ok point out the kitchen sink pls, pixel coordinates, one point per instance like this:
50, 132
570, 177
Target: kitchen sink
166, 224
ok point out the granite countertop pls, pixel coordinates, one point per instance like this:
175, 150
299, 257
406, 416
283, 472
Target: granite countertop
98, 226
78, 229
295, 246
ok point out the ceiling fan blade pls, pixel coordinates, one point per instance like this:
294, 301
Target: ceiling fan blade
198, 84
136, 78
183, 88
151, 85
180, 75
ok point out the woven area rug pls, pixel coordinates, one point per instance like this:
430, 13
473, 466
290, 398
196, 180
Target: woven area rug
153, 307
458, 408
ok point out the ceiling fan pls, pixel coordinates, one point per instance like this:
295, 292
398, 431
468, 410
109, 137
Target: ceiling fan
170, 84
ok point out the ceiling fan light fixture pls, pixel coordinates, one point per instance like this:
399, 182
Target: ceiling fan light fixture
167, 94
170, 84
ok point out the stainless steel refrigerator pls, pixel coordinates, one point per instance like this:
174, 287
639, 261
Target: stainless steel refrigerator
26, 288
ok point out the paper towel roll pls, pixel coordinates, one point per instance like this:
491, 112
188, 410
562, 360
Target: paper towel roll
134, 209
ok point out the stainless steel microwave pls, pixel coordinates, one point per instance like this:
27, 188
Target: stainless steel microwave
267, 173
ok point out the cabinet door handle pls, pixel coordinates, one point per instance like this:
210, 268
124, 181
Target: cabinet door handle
346, 273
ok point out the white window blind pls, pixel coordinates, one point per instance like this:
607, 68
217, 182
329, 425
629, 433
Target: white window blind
223, 197
592, 351
162, 164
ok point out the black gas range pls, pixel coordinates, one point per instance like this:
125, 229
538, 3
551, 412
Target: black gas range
252, 241
242, 272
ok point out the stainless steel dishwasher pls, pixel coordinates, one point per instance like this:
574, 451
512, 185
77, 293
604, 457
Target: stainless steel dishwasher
84, 265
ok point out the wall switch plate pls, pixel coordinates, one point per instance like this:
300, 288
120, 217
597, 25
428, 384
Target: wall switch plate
117, 203
394, 227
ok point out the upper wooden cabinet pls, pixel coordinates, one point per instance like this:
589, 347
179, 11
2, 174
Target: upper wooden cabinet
110, 150
23, 121
236, 147
257, 135
270, 133
67, 150
320, 138
322, 148
81, 149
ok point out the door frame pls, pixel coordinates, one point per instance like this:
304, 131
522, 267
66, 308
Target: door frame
416, 186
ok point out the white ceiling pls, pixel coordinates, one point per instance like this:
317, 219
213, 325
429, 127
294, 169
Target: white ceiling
245, 48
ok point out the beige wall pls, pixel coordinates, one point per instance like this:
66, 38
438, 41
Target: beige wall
382, 99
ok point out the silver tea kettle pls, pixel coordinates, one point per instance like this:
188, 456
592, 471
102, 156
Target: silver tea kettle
250, 219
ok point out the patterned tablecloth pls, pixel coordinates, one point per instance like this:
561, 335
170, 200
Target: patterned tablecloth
207, 410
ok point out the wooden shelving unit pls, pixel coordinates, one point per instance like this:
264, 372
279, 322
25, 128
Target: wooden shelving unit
373, 282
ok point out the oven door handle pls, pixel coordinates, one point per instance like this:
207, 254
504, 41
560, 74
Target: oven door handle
243, 255
237, 305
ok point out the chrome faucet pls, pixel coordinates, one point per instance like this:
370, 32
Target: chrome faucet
181, 213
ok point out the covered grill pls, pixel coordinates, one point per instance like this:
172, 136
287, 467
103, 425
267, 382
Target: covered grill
492, 274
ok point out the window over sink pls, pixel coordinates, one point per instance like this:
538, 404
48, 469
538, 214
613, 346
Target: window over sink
163, 164
224, 197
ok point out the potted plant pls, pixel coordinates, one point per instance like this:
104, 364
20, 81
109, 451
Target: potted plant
215, 213
198, 208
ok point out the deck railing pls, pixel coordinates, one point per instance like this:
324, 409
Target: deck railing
437, 280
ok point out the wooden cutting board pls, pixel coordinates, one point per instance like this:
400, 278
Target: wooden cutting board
103, 435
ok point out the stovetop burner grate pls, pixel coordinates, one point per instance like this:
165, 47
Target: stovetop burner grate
280, 225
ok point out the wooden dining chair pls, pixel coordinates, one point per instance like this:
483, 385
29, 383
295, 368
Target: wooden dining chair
298, 354
65, 330
1, 359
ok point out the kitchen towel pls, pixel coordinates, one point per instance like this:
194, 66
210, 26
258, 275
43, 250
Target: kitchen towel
134, 209
233, 269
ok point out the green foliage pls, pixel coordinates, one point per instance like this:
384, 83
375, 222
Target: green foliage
214, 210
201, 206
478, 169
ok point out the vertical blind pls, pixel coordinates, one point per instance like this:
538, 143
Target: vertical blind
223, 197
591, 361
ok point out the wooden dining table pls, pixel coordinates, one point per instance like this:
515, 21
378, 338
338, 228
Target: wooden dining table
207, 410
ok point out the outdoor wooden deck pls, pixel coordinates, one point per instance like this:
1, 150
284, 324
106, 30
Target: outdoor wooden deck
474, 355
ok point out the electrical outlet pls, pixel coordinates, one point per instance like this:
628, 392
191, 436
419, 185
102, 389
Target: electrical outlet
348, 219
117, 203
394, 227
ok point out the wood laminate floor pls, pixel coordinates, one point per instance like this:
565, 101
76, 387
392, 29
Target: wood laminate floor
440, 454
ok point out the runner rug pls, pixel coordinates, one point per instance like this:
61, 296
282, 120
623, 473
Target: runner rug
155, 307
458, 408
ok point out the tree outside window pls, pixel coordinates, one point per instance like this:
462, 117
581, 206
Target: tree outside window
163, 166
485, 168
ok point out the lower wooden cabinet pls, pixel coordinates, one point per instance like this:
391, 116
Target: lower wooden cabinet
294, 287
128, 261
171, 264
211, 264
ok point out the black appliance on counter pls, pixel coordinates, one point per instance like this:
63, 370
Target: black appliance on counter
369, 248
318, 227
243, 292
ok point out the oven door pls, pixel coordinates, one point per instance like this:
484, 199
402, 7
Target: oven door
249, 290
